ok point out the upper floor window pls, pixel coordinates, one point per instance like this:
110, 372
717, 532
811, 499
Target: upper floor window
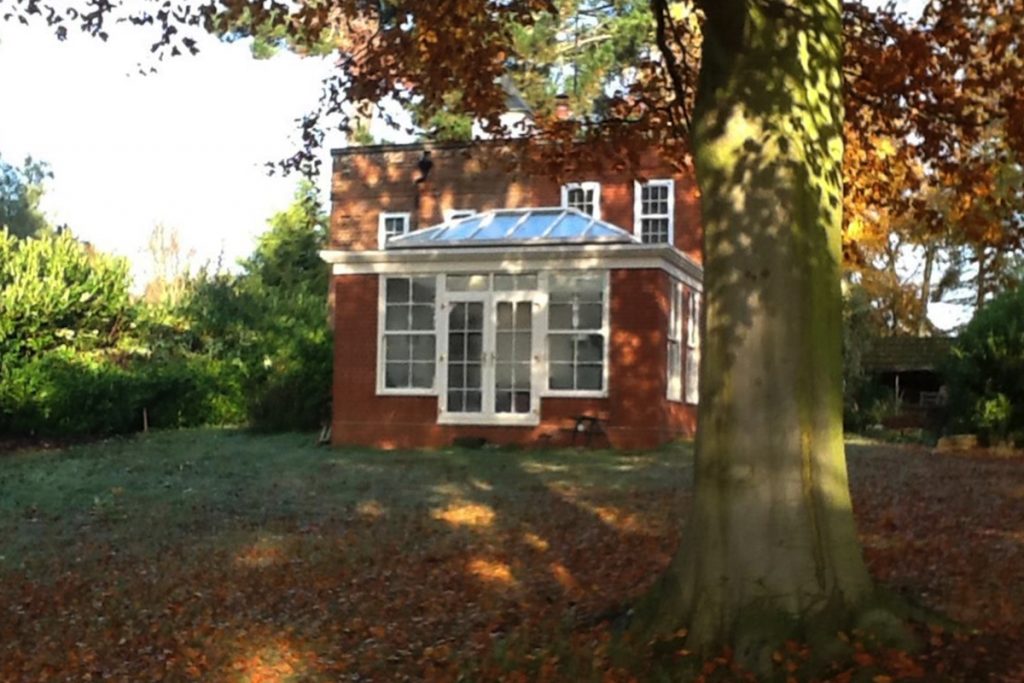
391, 225
653, 208
583, 196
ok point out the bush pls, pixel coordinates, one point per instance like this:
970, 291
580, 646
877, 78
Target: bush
82, 357
986, 370
67, 393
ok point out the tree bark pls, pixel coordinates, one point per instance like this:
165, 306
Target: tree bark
771, 544
923, 326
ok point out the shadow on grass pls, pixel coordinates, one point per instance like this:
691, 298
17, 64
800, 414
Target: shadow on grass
219, 555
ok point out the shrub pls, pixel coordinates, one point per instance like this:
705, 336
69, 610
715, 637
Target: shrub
72, 393
986, 370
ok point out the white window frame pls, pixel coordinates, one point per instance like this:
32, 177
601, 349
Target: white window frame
383, 390
674, 343
487, 415
546, 391
584, 185
382, 222
691, 389
456, 214
638, 214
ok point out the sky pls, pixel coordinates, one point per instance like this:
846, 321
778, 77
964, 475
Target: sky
185, 147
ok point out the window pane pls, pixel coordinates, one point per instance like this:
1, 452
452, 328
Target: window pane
423, 375
524, 315
503, 376
397, 290
455, 402
422, 317
423, 347
457, 317
560, 282
396, 347
423, 289
456, 375
396, 317
467, 283
527, 281
456, 347
654, 230
523, 343
590, 349
561, 376
475, 316
589, 317
504, 283
503, 401
504, 315
560, 316
396, 375
474, 346
521, 376
473, 375
503, 343
522, 402
588, 377
473, 401
589, 284
560, 348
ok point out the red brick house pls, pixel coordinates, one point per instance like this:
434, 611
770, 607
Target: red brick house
473, 300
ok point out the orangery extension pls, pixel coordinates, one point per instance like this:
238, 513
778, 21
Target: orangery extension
474, 302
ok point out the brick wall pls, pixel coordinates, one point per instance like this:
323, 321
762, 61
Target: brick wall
636, 411
369, 181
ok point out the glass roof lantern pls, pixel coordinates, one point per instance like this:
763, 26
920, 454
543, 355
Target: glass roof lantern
520, 227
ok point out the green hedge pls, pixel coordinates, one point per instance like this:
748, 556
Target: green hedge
71, 393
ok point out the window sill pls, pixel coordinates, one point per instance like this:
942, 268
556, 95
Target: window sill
381, 391
468, 419
564, 393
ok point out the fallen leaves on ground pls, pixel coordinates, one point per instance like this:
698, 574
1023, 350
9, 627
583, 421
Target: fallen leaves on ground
452, 568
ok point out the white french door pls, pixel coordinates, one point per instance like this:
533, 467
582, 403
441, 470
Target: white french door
490, 358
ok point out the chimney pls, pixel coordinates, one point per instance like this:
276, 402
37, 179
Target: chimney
563, 112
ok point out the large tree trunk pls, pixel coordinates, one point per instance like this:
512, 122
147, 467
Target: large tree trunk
771, 544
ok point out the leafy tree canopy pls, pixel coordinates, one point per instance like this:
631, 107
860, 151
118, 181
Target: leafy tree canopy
20, 192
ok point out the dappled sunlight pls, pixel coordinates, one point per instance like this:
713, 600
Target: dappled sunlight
621, 520
565, 578
449, 490
618, 519
492, 572
631, 464
536, 542
275, 662
534, 467
464, 513
371, 509
420, 574
266, 551
481, 485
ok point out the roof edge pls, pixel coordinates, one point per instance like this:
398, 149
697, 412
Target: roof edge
422, 145
553, 256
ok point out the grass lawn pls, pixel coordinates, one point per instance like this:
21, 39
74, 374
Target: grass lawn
218, 555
